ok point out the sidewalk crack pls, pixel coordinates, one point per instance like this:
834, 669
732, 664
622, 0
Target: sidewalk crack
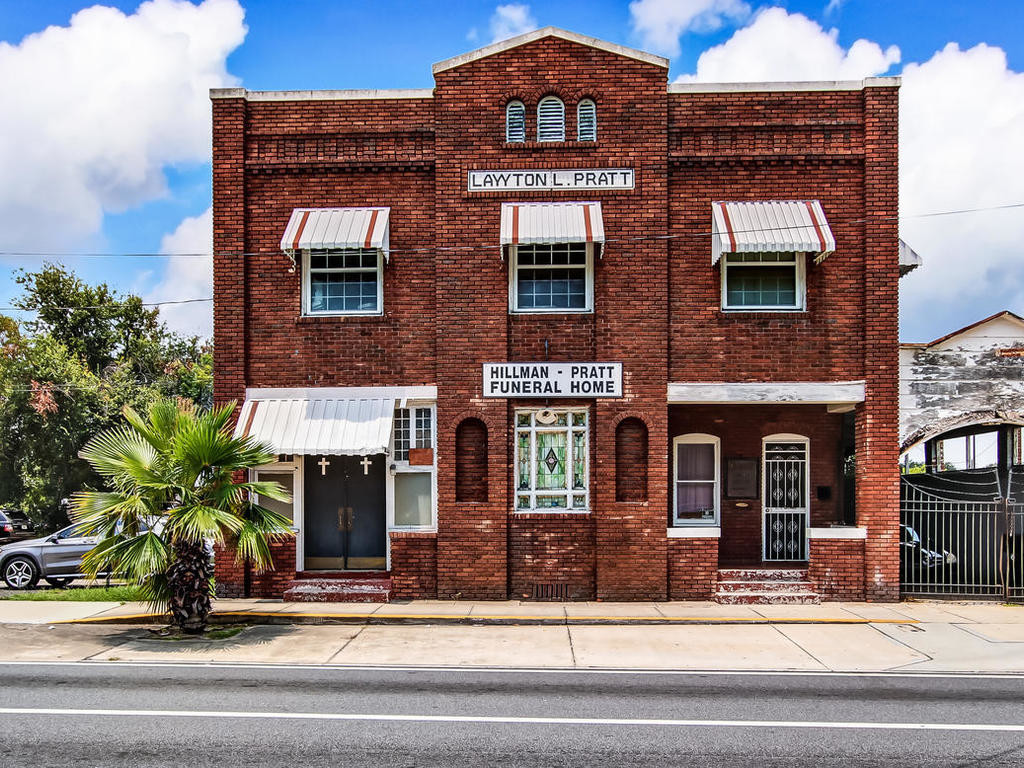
347, 642
794, 642
572, 650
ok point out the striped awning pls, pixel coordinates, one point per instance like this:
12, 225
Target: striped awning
337, 228
357, 426
768, 226
533, 223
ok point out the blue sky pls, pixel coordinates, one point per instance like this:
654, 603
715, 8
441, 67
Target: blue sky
391, 44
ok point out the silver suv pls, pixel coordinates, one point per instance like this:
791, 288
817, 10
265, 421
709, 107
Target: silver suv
56, 558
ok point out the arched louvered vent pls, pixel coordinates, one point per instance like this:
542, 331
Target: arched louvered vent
586, 121
515, 122
550, 119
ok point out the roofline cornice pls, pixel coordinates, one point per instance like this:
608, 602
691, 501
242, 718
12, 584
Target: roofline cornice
786, 85
347, 95
538, 34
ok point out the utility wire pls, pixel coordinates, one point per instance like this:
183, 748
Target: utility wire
464, 248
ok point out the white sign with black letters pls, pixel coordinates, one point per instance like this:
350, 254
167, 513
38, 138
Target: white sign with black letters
552, 379
550, 180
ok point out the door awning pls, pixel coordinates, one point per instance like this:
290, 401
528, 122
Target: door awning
537, 223
337, 228
768, 226
321, 424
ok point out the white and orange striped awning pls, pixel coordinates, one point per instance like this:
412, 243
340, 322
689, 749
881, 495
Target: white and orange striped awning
534, 223
337, 228
768, 226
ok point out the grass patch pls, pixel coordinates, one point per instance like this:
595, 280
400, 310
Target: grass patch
122, 594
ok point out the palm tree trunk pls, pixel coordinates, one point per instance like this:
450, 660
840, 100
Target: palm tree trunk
188, 579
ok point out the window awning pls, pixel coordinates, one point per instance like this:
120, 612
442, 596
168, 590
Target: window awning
535, 223
768, 226
337, 228
350, 426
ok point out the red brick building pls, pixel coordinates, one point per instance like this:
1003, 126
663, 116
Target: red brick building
558, 328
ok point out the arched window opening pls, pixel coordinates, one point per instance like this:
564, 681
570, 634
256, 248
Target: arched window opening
515, 122
631, 460
586, 121
471, 461
550, 119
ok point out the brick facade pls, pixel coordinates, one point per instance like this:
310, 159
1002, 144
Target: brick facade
836, 567
657, 301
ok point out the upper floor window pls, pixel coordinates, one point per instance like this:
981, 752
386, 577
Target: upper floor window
515, 122
763, 281
343, 281
552, 277
550, 119
586, 121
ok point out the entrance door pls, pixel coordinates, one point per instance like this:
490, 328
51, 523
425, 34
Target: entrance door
785, 498
345, 520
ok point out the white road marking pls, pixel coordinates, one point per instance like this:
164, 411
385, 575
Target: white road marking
514, 670
510, 720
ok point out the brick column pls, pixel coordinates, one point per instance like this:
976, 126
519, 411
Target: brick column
229, 265
877, 423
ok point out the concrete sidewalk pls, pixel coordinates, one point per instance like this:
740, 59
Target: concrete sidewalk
914, 636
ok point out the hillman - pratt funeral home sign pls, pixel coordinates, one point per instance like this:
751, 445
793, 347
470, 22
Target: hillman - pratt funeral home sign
552, 379
548, 180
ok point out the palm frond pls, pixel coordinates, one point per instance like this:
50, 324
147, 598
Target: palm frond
199, 522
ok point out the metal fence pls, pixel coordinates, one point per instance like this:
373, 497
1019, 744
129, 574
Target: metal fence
962, 534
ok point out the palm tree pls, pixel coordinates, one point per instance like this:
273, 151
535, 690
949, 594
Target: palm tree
173, 476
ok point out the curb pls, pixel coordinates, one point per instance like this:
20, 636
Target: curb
278, 619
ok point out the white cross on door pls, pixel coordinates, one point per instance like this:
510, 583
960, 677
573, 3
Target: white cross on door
366, 462
324, 464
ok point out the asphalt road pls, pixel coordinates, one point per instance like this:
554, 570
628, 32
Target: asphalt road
106, 714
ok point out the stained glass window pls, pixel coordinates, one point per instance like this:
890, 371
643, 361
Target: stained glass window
552, 460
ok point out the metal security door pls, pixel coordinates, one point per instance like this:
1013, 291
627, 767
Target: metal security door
785, 500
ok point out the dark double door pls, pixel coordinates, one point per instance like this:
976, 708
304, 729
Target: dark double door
345, 516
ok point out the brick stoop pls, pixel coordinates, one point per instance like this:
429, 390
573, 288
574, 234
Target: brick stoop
359, 587
765, 586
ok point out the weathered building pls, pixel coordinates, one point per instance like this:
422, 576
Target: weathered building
557, 328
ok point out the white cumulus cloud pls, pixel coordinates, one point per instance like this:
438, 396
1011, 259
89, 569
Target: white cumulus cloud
94, 111
659, 23
511, 19
187, 275
778, 45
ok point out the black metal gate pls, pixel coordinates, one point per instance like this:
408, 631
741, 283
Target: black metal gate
962, 534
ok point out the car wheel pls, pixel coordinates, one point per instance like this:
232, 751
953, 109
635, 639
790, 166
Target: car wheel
58, 583
20, 573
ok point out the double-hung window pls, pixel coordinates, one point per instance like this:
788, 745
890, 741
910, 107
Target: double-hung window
763, 281
413, 483
342, 281
696, 475
552, 460
552, 277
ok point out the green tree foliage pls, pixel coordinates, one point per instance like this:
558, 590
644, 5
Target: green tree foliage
67, 372
172, 476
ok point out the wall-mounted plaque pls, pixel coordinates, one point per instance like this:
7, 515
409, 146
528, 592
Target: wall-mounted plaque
552, 379
741, 478
548, 180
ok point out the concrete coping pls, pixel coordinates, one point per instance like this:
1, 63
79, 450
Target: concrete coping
786, 85
837, 532
343, 95
695, 532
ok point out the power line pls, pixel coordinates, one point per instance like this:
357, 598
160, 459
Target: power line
464, 248
111, 305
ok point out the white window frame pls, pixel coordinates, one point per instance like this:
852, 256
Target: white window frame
579, 110
398, 467
515, 103
298, 510
513, 281
545, 123
533, 492
696, 438
307, 294
800, 262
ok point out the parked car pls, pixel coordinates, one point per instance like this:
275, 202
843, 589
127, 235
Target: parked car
6, 527
20, 522
56, 558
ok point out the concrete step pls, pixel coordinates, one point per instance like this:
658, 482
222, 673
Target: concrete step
762, 574
765, 585
340, 590
751, 597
